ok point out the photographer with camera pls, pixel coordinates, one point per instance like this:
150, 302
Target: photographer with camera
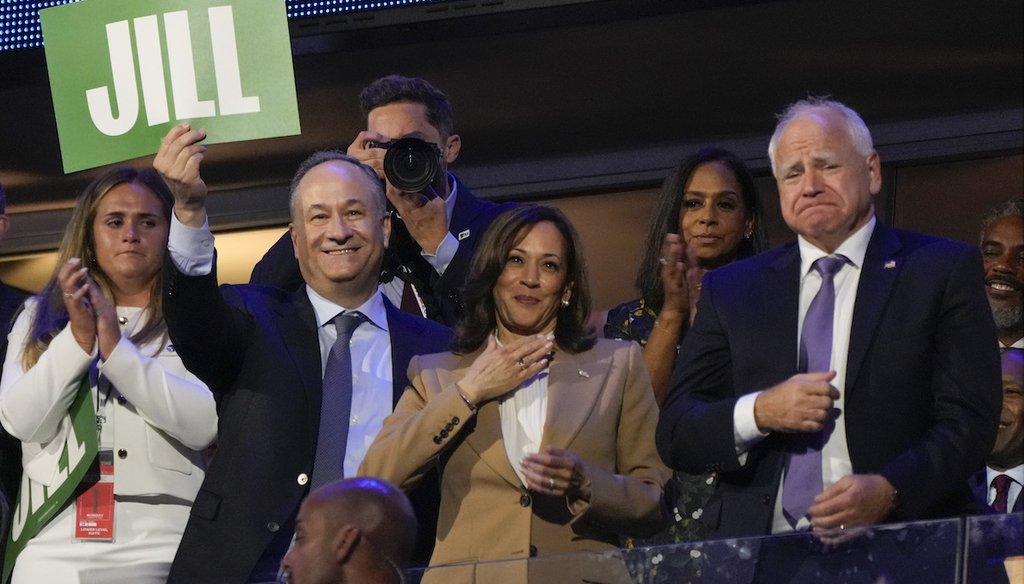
437, 222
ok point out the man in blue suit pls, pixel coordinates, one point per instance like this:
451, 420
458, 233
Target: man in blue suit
266, 354
1003, 495
435, 232
903, 406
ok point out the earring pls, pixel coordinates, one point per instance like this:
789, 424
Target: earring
565, 303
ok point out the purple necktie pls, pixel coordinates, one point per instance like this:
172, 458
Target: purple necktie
803, 470
1002, 486
336, 404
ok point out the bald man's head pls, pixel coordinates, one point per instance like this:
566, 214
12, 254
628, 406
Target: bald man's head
353, 530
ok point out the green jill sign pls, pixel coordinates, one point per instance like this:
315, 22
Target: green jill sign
123, 72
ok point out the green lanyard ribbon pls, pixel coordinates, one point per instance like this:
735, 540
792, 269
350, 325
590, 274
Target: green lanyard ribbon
37, 504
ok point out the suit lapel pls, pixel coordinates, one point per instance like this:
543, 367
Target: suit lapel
573, 390
485, 438
464, 212
878, 274
299, 335
780, 308
400, 329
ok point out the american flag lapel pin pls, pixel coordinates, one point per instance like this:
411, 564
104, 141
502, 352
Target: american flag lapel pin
463, 234
890, 264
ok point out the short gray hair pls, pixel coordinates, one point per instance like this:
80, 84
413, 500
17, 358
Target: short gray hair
320, 157
1011, 208
859, 132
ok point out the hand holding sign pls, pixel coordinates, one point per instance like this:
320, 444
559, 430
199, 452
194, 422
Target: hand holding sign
178, 161
122, 71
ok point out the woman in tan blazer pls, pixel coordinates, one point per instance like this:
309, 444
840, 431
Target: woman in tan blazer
544, 435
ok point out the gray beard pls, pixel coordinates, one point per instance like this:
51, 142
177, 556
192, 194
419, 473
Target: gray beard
1008, 318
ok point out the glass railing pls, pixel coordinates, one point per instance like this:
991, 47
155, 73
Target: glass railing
973, 550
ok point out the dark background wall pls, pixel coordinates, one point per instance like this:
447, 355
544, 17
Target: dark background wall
588, 105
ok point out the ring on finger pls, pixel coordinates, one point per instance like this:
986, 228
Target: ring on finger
521, 362
551, 483
842, 527
68, 295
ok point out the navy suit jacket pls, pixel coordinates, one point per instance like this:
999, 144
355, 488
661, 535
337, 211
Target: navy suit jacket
11, 300
257, 348
440, 292
922, 383
979, 487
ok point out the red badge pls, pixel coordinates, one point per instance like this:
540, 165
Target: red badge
94, 509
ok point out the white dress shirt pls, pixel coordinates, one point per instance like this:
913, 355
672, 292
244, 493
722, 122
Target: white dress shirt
523, 413
192, 251
835, 453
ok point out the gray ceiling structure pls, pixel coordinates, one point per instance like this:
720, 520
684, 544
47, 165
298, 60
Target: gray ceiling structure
589, 96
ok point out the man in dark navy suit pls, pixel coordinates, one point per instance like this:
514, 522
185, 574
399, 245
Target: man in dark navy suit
267, 355
435, 232
998, 487
902, 405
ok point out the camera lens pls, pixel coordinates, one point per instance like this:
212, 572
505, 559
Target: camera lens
411, 164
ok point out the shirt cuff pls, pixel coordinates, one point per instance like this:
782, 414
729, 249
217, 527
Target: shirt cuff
191, 248
444, 254
745, 430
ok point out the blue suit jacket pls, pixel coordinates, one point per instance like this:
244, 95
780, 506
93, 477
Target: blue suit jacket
257, 348
440, 292
922, 384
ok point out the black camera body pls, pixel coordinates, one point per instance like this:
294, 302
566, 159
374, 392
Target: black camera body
411, 164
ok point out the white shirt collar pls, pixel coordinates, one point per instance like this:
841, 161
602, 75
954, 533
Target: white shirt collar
854, 248
1016, 473
373, 309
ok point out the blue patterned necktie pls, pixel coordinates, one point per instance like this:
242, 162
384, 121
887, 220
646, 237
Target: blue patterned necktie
336, 404
803, 470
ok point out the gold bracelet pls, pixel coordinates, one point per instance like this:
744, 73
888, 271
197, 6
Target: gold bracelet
469, 404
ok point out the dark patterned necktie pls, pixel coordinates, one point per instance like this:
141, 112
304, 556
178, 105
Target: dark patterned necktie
336, 404
1002, 486
803, 470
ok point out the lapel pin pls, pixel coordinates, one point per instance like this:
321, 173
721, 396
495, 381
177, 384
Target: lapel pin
583, 374
890, 264
463, 234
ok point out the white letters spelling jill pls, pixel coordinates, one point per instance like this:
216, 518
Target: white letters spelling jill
184, 92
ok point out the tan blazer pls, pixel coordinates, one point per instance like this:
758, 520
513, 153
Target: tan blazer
600, 406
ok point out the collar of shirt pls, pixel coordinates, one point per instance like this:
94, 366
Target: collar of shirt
373, 309
1016, 473
854, 248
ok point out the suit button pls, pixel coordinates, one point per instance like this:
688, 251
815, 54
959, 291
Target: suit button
121, 399
302, 479
533, 551
455, 420
449, 427
437, 439
273, 527
766, 499
122, 453
444, 433
525, 500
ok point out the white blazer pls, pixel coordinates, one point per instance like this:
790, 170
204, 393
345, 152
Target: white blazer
162, 423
